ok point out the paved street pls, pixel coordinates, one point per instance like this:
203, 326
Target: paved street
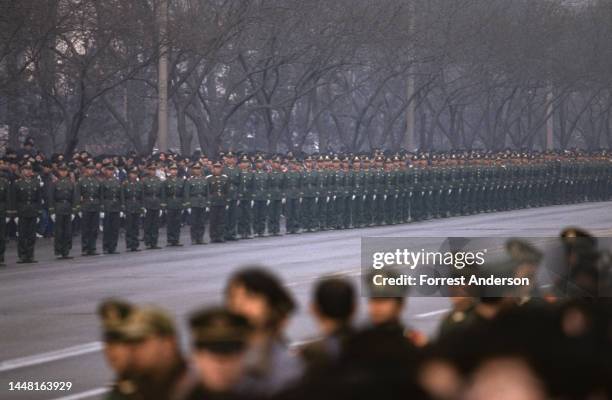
50, 332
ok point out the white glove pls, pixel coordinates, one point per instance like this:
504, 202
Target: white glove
449, 191
238, 203
189, 211
353, 198
384, 197
102, 215
316, 200
160, 213
374, 197
80, 214
283, 201
364, 197
334, 198
207, 209
16, 220
227, 207
121, 214
300, 200
252, 203
71, 217
267, 202
6, 220
53, 217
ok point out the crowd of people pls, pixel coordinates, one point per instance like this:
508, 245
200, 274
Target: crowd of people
518, 346
239, 195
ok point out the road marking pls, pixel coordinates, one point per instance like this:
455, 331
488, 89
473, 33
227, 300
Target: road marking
86, 394
42, 358
432, 313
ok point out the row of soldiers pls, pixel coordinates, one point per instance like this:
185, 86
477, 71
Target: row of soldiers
516, 345
242, 195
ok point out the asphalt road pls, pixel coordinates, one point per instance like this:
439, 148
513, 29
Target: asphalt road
48, 327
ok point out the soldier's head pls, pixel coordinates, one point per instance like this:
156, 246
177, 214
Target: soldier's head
385, 304
333, 304
259, 163
356, 164
118, 353
133, 174
217, 169
196, 169
26, 170
153, 340
151, 169
220, 341
276, 163
109, 170
308, 162
260, 297
245, 162
173, 170
62, 170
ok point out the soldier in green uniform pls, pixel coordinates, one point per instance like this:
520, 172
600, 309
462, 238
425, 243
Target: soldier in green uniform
62, 204
89, 195
389, 192
5, 189
133, 193
310, 194
244, 191
369, 191
357, 185
218, 189
345, 192
379, 180
231, 212
112, 209
292, 194
152, 199
277, 182
174, 196
26, 199
261, 197
196, 194
323, 197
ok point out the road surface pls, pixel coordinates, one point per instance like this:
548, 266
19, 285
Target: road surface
50, 332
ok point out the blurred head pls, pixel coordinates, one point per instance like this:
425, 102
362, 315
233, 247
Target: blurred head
220, 342
118, 353
152, 337
259, 296
333, 302
505, 378
385, 309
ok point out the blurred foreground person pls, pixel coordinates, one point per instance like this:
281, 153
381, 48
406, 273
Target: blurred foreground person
220, 340
333, 308
505, 378
117, 350
259, 296
157, 365
385, 309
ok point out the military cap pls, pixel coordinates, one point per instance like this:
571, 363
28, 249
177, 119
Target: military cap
336, 159
229, 154
245, 158
523, 252
217, 164
146, 322
26, 165
173, 166
259, 159
133, 170
109, 166
62, 166
196, 165
151, 166
113, 314
308, 158
219, 330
